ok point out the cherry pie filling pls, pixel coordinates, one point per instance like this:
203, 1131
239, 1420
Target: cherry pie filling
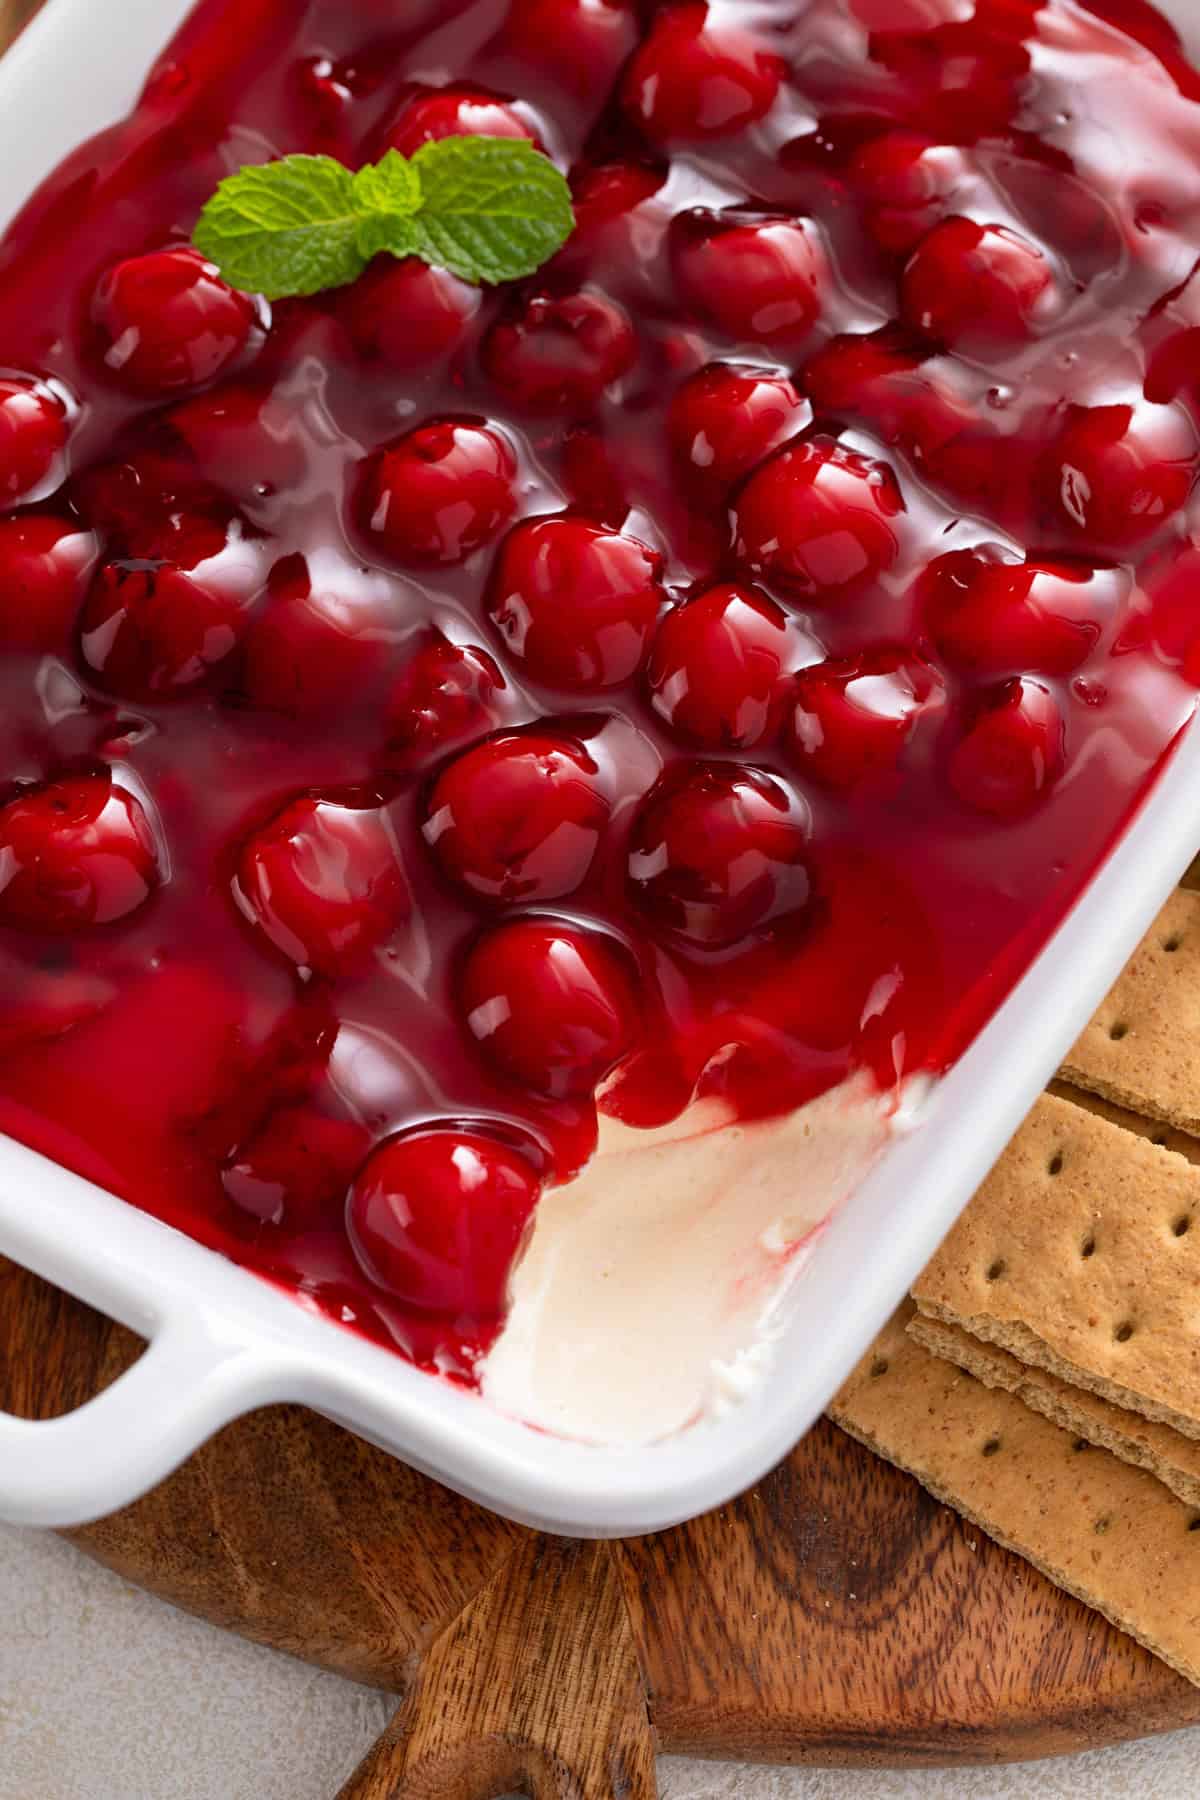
711, 667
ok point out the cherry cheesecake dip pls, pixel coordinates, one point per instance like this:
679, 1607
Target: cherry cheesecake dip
512, 787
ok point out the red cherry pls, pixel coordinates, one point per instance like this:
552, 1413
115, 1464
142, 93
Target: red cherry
692, 80
33, 435
167, 321
150, 630
717, 851
990, 615
717, 667
977, 287
437, 1216
604, 196
591, 477
327, 89
1012, 752
189, 539
725, 419
445, 693
551, 1006
145, 627
281, 1062
875, 377
907, 398
153, 506
961, 454
906, 183
1169, 580
923, 404
817, 517
407, 314
851, 717
1170, 335
559, 353
325, 637
294, 1170
580, 44
241, 436
760, 282
519, 817
962, 79
438, 493
1173, 368
604, 192
575, 604
323, 882
45, 562
75, 852
454, 112
153, 627
1115, 474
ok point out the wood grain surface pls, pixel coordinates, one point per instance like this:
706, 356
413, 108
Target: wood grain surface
14, 14
835, 1614
535, 1686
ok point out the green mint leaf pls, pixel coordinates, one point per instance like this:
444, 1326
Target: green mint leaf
388, 231
391, 185
385, 231
493, 209
488, 209
280, 228
388, 193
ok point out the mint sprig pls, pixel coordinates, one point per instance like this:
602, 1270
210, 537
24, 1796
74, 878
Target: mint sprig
492, 209
488, 209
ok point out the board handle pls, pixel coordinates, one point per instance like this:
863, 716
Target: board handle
534, 1689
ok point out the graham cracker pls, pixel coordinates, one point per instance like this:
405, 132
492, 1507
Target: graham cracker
1104, 1531
1080, 1254
1169, 1456
1142, 1048
1167, 1137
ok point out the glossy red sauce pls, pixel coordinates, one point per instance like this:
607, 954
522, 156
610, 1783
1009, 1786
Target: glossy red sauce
719, 660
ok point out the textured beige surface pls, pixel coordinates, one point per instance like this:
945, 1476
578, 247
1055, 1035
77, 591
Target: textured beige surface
1102, 1530
1145, 1443
1142, 1048
106, 1694
1081, 1254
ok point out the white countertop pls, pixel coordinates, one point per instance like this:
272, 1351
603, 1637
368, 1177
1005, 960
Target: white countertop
106, 1694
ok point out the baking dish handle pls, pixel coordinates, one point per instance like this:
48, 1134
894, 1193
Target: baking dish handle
108, 1452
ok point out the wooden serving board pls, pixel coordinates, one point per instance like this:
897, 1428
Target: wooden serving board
836, 1614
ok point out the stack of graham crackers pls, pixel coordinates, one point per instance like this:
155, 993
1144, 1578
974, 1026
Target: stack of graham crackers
1044, 1379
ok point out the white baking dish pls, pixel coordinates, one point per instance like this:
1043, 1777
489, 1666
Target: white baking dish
222, 1341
